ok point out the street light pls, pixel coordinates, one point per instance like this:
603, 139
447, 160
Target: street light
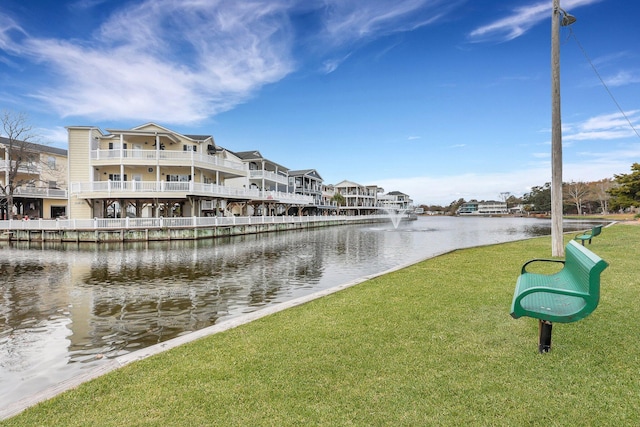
557, 241
567, 18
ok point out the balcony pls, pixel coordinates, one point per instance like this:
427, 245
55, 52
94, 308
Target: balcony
290, 198
40, 193
130, 189
165, 158
31, 168
268, 175
164, 189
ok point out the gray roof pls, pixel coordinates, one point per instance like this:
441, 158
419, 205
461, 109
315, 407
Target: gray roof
199, 137
256, 155
249, 155
308, 172
31, 146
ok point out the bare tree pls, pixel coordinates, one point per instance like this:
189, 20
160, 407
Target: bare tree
600, 190
576, 193
504, 196
20, 161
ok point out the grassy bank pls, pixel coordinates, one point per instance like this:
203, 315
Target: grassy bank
432, 344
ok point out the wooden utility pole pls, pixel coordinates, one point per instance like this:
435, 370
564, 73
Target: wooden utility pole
557, 242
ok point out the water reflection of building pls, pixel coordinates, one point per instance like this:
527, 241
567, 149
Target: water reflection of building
136, 297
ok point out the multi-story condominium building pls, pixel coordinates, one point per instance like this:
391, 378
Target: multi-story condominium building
264, 174
272, 181
307, 182
359, 199
329, 204
395, 200
152, 171
468, 208
483, 208
33, 180
492, 208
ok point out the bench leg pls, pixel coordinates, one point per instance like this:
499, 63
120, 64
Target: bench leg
544, 337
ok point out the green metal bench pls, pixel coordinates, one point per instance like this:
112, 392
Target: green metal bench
566, 296
588, 235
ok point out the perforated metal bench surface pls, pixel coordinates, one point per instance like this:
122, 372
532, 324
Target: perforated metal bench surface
569, 295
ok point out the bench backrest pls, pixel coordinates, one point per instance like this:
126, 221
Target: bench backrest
585, 267
596, 230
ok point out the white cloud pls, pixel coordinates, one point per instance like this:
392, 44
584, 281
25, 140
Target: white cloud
168, 60
346, 25
349, 20
577, 166
599, 135
178, 62
8, 31
330, 65
612, 58
86, 4
57, 136
442, 190
590, 164
521, 20
622, 78
607, 121
603, 127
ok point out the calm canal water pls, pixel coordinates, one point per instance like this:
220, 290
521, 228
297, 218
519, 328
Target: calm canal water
65, 307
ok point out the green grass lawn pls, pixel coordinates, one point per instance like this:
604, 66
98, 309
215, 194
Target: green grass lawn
431, 344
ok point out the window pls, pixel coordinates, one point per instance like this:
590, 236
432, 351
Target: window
116, 177
58, 211
178, 178
51, 162
189, 148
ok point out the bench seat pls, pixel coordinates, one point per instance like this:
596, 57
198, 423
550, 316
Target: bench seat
566, 296
590, 234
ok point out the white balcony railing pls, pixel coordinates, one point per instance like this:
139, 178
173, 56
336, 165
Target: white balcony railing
33, 168
121, 188
291, 198
189, 187
167, 157
268, 175
40, 192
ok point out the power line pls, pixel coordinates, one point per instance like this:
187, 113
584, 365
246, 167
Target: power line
602, 81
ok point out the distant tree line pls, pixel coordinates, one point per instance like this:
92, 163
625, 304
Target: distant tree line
618, 194
578, 197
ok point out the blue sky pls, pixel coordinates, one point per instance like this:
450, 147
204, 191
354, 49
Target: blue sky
439, 99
